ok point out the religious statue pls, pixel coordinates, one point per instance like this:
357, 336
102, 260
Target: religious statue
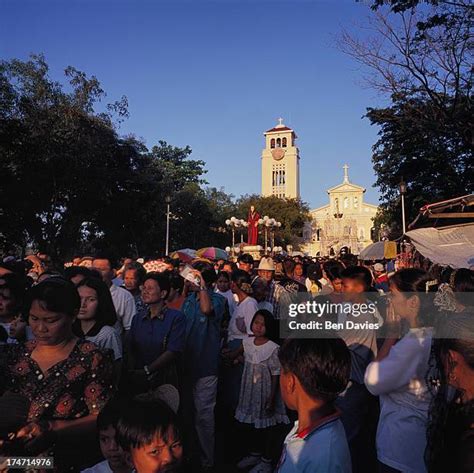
252, 221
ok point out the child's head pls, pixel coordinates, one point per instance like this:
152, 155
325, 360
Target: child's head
148, 431
106, 428
223, 281
356, 280
317, 369
264, 325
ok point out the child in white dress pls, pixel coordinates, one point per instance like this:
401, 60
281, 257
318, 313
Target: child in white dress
260, 403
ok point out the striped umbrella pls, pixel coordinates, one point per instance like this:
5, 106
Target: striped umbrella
212, 252
186, 255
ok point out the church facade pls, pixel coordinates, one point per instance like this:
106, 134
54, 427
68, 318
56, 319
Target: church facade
346, 221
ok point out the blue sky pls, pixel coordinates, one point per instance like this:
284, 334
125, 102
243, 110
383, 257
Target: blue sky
216, 75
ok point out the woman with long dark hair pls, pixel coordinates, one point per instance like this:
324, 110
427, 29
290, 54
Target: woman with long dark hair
398, 376
97, 317
451, 426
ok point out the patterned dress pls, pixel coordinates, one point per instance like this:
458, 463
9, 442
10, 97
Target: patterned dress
261, 363
75, 387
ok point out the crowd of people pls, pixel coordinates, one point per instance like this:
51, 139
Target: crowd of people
126, 367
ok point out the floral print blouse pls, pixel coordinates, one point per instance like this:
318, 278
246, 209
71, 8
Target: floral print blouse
75, 387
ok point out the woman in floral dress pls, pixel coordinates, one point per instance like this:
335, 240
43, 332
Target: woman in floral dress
66, 380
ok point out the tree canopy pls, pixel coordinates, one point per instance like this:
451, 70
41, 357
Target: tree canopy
421, 57
72, 184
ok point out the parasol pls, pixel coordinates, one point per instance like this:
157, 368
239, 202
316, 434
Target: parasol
212, 253
379, 250
186, 255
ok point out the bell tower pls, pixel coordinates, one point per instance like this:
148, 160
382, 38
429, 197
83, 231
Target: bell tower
280, 163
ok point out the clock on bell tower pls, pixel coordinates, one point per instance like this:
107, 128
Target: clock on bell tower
280, 163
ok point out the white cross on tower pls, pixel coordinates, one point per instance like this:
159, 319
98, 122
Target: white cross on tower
346, 172
280, 121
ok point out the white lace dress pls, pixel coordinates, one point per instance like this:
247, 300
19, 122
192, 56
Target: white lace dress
261, 363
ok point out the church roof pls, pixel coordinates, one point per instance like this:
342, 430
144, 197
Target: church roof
278, 129
346, 186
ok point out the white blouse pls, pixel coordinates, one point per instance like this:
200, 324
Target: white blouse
400, 381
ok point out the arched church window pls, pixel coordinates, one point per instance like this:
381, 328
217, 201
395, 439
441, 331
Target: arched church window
278, 143
272, 143
356, 202
336, 203
361, 234
283, 143
346, 202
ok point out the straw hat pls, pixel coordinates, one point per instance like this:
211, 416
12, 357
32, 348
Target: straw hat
266, 264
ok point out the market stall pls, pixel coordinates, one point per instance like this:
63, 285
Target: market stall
447, 246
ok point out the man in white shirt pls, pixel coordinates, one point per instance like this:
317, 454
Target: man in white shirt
123, 301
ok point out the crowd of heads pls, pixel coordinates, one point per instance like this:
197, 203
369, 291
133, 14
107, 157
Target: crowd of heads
46, 303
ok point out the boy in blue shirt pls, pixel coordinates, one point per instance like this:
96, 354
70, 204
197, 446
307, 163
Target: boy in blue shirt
313, 373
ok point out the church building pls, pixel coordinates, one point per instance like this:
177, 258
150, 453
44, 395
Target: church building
346, 221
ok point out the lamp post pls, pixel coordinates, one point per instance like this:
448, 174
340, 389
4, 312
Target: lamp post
168, 202
269, 224
235, 223
403, 190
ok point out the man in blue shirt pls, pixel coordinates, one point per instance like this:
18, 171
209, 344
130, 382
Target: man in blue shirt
204, 312
156, 337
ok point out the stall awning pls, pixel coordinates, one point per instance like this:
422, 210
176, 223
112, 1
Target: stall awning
448, 246
456, 211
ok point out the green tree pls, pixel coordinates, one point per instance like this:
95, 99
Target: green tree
422, 59
166, 170
429, 153
59, 161
70, 183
